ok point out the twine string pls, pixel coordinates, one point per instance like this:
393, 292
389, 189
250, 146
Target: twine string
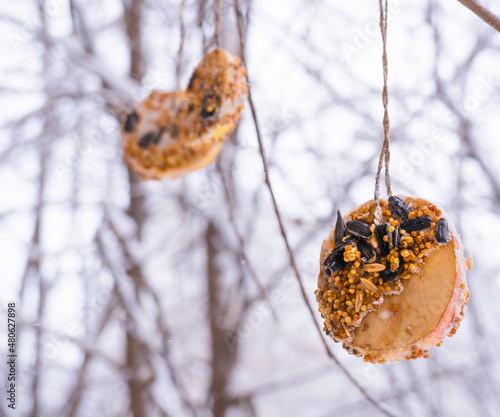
385, 154
180, 51
178, 63
217, 11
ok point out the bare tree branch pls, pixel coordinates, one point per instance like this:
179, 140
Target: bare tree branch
489, 17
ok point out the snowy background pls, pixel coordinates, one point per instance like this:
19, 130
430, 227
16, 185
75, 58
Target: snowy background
177, 298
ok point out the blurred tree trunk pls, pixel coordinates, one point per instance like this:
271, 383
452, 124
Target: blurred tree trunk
136, 212
223, 357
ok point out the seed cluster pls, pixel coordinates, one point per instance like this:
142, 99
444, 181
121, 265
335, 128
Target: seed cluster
369, 260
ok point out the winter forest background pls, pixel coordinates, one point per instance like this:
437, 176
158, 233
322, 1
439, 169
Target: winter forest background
178, 298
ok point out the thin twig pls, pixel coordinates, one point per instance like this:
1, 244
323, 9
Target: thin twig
142, 284
489, 17
282, 227
242, 253
73, 402
268, 388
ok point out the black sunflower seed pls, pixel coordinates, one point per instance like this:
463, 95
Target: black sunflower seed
209, 106
191, 81
174, 131
334, 262
398, 208
358, 228
157, 138
339, 228
146, 140
348, 241
131, 121
416, 224
396, 236
366, 249
388, 275
442, 231
341, 246
382, 230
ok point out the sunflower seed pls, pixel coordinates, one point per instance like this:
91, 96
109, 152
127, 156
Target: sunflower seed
191, 81
366, 249
382, 230
334, 262
358, 228
146, 140
396, 236
373, 267
174, 131
339, 249
349, 240
442, 231
159, 134
398, 208
339, 228
209, 105
131, 121
416, 224
388, 275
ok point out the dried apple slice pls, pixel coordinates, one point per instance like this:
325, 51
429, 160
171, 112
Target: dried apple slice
174, 133
406, 298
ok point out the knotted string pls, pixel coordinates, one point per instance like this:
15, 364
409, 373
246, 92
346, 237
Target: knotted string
385, 154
